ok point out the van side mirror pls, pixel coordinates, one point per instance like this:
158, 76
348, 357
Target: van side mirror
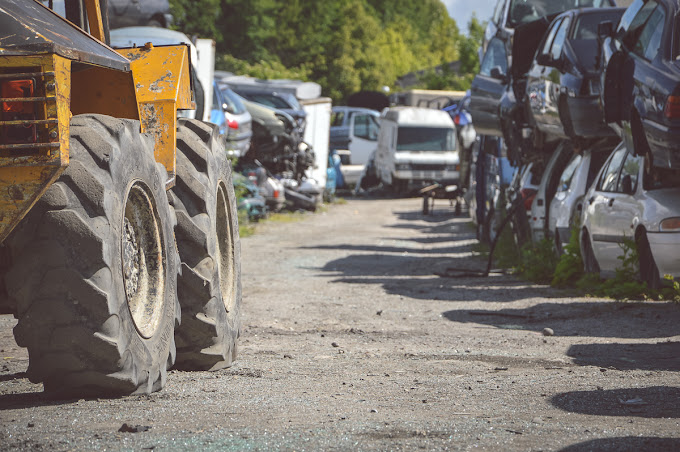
605, 30
627, 184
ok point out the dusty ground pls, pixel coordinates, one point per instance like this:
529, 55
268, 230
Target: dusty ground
352, 342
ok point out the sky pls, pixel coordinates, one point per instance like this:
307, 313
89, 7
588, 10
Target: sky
461, 11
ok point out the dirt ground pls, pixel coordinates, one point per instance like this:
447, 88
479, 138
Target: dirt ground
351, 341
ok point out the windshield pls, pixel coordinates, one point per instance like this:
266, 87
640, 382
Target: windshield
525, 11
426, 139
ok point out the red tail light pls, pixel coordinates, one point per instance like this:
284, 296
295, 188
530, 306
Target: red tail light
456, 120
672, 110
528, 195
232, 124
18, 111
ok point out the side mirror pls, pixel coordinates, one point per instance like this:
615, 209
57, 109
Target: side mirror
627, 184
498, 74
544, 59
605, 30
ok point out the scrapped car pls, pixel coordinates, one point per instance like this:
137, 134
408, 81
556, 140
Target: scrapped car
281, 101
540, 206
498, 91
466, 134
239, 122
579, 174
641, 95
563, 83
128, 13
509, 14
354, 135
277, 143
630, 201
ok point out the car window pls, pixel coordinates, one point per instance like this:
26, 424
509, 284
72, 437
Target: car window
550, 36
426, 139
649, 42
337, 118
637, 24
234, 104
610, 176
495, 56
365, 127
560, 36
525, 11
631, 167
269, 100
628, 16
568, 173
597, 159
498, 12
586, 25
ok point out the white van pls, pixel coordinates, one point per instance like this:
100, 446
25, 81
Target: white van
416, 146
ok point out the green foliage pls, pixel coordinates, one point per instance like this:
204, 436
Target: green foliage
570, 266
344, 45
245, 228
538, 262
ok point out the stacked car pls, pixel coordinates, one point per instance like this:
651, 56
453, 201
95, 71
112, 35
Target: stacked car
588, 95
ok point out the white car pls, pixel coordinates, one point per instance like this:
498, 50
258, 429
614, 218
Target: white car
577, 177
628, 202
538, 221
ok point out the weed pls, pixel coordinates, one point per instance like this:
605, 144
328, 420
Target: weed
569, 268
245, 228
538, 262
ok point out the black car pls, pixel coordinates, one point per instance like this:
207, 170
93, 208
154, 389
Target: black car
641, 94
563, 83
498, 90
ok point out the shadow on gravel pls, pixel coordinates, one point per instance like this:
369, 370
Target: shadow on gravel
625, 444
659, 356
586, 318
31, 400
653, 402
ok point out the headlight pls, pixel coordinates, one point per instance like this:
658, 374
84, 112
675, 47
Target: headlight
670, 225
403, 166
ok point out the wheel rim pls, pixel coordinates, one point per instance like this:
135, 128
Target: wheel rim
144, 260
225, 248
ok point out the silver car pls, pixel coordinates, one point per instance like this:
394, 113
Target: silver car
628, 201
577, 177
239, 122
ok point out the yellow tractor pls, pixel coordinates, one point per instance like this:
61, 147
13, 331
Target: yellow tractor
120, 253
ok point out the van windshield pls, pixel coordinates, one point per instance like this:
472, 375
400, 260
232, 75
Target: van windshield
426, 139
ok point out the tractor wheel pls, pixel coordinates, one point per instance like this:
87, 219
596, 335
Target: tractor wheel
94, 268
209, 287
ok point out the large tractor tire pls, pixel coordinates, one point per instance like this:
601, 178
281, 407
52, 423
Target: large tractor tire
94, 268
209, 287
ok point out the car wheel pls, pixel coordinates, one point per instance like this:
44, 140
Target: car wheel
649, 272
590, 264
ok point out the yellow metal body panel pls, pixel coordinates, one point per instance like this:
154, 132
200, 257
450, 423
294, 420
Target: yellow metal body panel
104, 91
24, 176
94, 19
162, 81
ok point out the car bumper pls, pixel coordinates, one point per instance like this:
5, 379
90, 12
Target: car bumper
237, 148
665, 248
417, 176
664, 142
587, 117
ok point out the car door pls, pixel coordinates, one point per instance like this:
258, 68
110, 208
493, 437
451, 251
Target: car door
622, 205
537, 88
604, 238
364, 137
487, 89
551, 76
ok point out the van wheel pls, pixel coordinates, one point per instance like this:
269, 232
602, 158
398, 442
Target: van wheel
95, 268
209, 287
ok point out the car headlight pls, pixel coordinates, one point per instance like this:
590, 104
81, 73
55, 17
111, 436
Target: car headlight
403, 166
670, 225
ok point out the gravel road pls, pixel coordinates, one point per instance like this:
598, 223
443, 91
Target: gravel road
352, 342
